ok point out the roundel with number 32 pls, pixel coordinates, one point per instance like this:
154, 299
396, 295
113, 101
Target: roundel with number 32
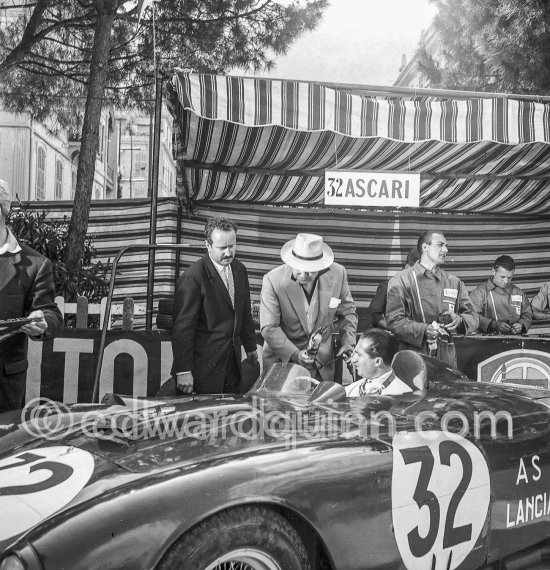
35, 484
440, 498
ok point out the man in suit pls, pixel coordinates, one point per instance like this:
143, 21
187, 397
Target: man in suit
212, 317
26, 290
300, 302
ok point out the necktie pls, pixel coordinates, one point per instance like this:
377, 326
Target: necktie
228, 278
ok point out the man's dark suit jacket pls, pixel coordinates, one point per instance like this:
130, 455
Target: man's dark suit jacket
205, 326
26, 285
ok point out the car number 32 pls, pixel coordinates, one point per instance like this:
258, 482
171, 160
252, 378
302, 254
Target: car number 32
440, 498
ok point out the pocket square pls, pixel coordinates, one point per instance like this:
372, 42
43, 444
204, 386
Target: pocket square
334, 302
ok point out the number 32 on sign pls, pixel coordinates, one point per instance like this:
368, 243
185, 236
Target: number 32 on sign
440, 498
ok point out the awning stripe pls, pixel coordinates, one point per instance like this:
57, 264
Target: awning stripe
270, 141
300, 105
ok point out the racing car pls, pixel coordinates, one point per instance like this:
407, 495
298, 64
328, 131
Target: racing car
291, 476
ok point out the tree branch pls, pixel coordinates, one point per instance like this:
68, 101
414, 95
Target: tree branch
28, 38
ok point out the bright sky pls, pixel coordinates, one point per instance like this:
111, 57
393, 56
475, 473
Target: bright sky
358, 41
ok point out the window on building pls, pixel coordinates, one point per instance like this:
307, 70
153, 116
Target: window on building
58, 179
140, 164
40, 192
73, 184
101, 142
98, 192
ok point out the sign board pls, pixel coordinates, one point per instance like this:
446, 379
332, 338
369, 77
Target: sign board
372, 189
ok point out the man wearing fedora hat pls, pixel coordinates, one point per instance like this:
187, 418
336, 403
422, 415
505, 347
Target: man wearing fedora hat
26, 290
305, 296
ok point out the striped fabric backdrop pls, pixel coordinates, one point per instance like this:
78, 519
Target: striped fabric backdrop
371, 245
115, 224
268, 141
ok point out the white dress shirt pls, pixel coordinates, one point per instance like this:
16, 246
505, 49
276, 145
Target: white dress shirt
377, 386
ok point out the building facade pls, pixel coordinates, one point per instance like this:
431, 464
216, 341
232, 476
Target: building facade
135, 152
410, 74
34, 159
40, 163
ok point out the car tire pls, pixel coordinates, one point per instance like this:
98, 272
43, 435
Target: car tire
252, 538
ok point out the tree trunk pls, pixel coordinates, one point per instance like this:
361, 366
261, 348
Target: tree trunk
89, 145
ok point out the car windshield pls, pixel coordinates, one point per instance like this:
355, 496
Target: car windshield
285, 378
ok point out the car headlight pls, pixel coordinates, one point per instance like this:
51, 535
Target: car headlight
12, 563
24, 558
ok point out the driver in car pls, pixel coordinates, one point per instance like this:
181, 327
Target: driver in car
372, 358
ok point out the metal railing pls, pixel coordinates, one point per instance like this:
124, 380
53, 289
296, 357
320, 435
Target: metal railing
137, 247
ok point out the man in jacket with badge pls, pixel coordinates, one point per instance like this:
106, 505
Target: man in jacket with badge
502, 307
426, 305
300, 301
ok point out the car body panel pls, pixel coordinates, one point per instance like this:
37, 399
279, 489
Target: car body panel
364, 488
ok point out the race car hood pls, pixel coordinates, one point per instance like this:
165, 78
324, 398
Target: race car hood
68, 455
140, 436
59, 460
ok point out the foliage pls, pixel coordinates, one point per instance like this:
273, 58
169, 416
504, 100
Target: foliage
52, 52
491, 45
48, 237
46, 47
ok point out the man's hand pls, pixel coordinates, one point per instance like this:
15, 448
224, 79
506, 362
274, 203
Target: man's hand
431, 332
453, 324
184, 381
500, 327
346, 351
517, 328
36, 328
300, 357
252, 356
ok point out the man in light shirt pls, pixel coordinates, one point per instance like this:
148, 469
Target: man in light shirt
372, 359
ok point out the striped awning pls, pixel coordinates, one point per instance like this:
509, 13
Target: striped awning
270, 141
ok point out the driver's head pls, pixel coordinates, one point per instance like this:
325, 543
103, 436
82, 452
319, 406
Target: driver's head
374, 352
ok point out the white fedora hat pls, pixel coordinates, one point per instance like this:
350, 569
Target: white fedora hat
307, 252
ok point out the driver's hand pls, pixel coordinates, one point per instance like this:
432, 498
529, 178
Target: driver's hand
184, 381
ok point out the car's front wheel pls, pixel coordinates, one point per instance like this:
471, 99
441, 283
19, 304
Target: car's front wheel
243, 538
